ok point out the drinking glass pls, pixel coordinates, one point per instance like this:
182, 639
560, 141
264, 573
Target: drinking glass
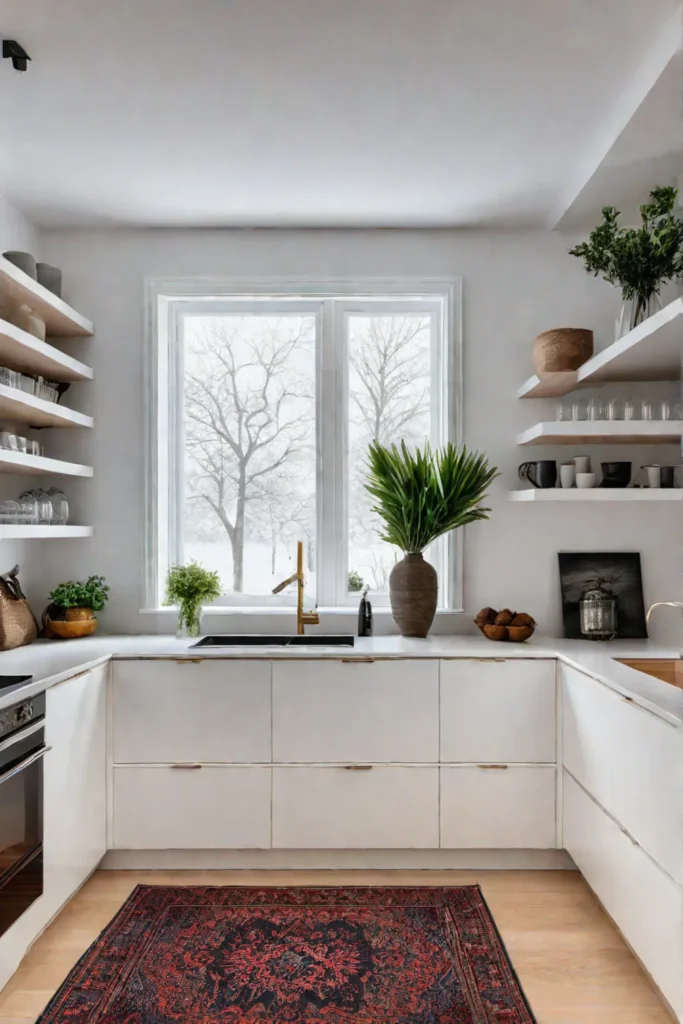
616, 409
596, 409
630, 409
45, 510
28, 508
60, 506
9, 512
580, 409
647, 411
8, 440
564, 412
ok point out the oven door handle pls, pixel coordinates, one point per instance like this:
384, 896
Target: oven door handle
24, 764
22, 734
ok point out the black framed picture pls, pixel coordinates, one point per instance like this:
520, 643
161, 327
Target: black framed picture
617, 572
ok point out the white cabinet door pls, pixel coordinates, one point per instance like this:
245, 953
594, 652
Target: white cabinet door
644, 902
205, 808
502, 807
75, 807
339, 809
500, 711
355, 711
207, 711
630, 760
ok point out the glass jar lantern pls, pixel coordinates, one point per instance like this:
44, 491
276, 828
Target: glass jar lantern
598, 613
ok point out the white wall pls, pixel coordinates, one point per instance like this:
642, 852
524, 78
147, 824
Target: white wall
515, 285
16, 232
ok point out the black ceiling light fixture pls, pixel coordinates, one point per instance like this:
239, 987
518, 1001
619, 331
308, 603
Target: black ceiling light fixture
16, 53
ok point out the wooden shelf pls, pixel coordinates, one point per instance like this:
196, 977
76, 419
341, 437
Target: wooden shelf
37, 465
598, 494
60, 319
19, 407
604, 432
651, 351
29, 531
21, 351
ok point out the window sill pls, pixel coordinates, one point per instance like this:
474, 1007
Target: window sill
289, 613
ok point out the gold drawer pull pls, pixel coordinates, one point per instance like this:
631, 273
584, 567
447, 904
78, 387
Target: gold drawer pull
357, 661
186, 767
493, 767
358, 767
189, 661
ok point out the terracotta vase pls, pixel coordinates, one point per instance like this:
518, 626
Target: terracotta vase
413, 592
562, 349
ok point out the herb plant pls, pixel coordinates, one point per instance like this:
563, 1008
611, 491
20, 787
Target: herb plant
423, 495
94, 593
637, 260
190, 586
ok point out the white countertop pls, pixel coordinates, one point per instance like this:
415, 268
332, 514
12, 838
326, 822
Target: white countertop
52, 661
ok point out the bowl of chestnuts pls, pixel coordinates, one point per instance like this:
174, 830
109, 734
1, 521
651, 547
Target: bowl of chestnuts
515, 627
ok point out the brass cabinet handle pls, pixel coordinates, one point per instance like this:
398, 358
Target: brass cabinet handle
493, 767
188, 661
357, 661
358, 767
186, 767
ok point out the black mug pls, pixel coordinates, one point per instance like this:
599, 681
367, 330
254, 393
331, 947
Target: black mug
616, 474
668, 476
542, 473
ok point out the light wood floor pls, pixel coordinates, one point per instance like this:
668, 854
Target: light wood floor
571, 961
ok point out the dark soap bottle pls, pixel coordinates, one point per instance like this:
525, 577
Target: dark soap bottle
365, 615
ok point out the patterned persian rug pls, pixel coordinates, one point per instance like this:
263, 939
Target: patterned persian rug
176, 955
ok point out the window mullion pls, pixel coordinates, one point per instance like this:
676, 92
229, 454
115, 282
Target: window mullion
327, 417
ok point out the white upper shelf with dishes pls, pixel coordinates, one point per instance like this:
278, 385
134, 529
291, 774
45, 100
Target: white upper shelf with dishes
61, 321
652, 351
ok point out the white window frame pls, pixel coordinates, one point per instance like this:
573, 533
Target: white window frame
167, 299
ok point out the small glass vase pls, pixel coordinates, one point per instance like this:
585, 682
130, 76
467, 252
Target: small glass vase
189, 623
634, 311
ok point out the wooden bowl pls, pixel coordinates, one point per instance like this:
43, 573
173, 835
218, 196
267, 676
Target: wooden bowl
518, 634
72, 630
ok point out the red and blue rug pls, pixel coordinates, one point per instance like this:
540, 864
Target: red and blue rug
176, 955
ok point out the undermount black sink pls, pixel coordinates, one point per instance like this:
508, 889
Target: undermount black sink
276, 640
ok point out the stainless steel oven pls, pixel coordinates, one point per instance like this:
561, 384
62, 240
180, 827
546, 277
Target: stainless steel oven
22, 749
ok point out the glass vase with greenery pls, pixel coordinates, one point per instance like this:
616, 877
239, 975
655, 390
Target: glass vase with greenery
637, 260
80, 600
189, 587
422, 495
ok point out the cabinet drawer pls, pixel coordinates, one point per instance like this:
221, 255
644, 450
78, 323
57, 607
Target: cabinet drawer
356, 711
207, 808
630, 761
502, 711
340, 809
645, 904
207, 711
511, 807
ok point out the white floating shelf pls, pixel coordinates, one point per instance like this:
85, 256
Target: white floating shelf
598, 494
60, 319
21, 351
19, 407
29, 531
604, 432
651, 351
37, 465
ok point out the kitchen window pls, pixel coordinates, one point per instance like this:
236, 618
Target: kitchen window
263, 401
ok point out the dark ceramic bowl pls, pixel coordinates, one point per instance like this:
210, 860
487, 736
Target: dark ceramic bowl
616, 474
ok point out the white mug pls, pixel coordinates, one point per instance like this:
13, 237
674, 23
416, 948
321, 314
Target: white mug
567, 474
654, 476
583, 463
585, 480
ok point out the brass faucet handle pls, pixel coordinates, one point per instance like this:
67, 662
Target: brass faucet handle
310, 619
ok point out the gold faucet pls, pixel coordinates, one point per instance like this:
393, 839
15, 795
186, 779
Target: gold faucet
302, 618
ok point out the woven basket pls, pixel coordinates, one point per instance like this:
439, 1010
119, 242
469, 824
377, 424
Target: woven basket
561, 349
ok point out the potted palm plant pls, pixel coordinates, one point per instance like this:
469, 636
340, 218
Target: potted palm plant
421, 496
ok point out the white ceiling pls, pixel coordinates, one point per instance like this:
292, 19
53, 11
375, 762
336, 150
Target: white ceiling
317, 112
